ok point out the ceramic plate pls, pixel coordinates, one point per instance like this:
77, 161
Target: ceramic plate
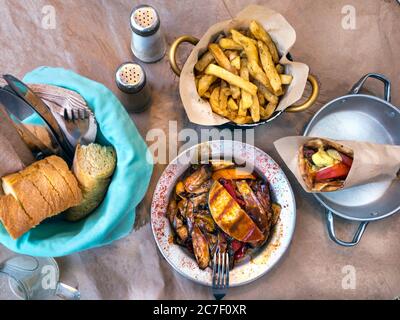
264, 258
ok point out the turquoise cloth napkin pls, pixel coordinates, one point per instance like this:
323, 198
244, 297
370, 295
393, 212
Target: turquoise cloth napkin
115, 217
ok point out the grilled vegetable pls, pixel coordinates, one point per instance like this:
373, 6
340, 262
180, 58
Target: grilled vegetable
230, 217
276, 212
221, 164
205, 222
200, 248
336, 171
197, 179
253, 207
233, 174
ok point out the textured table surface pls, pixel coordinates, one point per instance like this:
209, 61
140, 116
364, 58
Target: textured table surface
92, 37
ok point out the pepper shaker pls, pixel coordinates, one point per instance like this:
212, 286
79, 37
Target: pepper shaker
131, 80
148, 42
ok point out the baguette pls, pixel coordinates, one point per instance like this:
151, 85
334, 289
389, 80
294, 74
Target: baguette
13, 217
93, 167
40, 191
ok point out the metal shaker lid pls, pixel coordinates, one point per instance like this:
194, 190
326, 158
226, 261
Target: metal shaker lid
145, 20
130, 77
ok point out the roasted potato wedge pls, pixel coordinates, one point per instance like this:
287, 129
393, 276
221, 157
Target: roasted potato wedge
232, 219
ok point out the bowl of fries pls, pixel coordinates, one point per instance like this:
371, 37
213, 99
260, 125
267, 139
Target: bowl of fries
240, 72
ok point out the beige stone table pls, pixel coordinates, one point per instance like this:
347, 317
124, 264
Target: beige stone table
92, 37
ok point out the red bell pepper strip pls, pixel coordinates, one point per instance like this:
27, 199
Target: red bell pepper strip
228, 185
346, 159
339, 170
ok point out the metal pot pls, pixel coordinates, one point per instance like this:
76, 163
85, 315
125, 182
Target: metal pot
366, 118
297, 108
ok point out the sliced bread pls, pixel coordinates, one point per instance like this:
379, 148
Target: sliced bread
14, 217
41, 191
93, 167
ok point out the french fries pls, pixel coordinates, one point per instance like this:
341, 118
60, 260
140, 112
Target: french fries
286, 78
255, 109
231, 78
204, 84
247, 99
241, 77
236, 63
269, 67
204, 61
261, 34
229, 44
221, 58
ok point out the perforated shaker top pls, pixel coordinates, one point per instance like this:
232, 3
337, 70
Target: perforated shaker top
145, 20
130, 77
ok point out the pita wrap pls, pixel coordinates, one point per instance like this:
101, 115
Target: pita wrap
308, 174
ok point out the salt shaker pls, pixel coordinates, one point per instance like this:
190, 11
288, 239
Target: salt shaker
148, 42
135, 92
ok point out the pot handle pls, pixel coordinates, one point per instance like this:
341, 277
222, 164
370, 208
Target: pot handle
311, 99
174, 48
332, 235
357, 87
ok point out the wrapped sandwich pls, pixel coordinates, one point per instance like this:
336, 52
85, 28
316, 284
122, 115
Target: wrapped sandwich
324, 165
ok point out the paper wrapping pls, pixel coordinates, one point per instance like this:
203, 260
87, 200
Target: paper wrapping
282, 33
371, 162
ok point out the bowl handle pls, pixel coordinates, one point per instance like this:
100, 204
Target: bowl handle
311, 99
174, 48
357, 87
332, 235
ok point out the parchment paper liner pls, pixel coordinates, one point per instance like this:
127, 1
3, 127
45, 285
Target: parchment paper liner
283, 34
372, 162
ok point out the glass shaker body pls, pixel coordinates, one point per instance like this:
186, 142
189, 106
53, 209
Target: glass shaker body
148, 42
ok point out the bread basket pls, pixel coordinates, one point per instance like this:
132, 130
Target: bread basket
115, 216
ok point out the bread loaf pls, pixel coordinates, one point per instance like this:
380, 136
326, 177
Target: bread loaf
42, 190
93, 167
13, 217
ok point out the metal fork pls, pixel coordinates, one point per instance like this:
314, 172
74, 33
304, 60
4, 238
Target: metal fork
75, 114
220, 275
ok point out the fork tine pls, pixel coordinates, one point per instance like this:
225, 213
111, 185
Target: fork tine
214, 272
227, 269
76, 114
70, 114
219, 270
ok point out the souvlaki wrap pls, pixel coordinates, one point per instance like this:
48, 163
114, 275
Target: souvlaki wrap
324, 165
